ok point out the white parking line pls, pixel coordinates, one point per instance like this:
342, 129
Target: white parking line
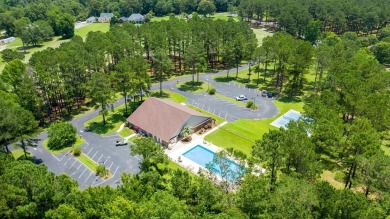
88, 177
94, 155
115, 171
95, 180
99, 158
82, 173
89, 151
111, 165
73, 164
76, 169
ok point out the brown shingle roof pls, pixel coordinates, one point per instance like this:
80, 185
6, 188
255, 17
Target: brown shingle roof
162, 118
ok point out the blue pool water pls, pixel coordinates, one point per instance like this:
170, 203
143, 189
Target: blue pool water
203, 156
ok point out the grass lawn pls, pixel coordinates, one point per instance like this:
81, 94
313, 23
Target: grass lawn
196, 87
329, 177
261, 34
114, 119
242, 134
18, 154
158, 19
83, 32
218, 119
167, 94
126, 132
224, 16
87, 162
229, 99
79, 141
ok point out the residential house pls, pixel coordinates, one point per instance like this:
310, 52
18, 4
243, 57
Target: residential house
137, 18
105, 17
163, 120
123, 19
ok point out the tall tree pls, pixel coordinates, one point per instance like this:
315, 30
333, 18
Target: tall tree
101, 92
162, 65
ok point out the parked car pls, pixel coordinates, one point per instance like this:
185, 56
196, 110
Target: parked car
241, 98
121, 143
270, 94
263, 93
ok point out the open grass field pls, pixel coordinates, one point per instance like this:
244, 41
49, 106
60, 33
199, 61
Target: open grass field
83, 32
242, 134
224, 16
87, 162
114, 119
261, 34
79, 141
196, 87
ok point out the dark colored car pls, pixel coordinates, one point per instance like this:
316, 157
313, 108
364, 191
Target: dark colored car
270, 94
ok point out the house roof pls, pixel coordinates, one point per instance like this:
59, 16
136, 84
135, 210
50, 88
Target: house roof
123, 18
136, 17
162, 118
107, 15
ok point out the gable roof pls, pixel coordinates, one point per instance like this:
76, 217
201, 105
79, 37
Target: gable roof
136, 17
106, 15
123, 18
162, 118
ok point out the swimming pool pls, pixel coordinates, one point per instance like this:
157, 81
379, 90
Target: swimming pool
203, 156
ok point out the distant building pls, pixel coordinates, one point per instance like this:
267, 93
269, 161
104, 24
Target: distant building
7, 40
91, 20
123, 19
137, 18
105, 17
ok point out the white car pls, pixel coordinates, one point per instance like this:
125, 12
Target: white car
241, 98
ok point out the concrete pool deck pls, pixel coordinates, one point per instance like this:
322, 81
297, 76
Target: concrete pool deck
179, 148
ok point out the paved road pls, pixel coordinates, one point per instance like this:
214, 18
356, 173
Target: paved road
102, 149
225, 109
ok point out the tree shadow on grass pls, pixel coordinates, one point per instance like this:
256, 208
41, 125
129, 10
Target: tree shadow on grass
164, 95
224, 79
287, 99
190, 86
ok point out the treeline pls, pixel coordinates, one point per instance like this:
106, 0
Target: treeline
31, 191
298, 17
57, 81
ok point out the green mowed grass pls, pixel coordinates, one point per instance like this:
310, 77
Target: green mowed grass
260, 35
83, 32
87, 162
167, 94
224, 16
218, 119
125, 132
242, 134
18, 154
194, 87
114, 120
79, 141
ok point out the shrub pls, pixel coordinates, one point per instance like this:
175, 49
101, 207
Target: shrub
102, 171
61, 135
249, 104
77, 152
212, 91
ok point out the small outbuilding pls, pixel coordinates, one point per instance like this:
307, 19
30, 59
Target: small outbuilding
137, 18
163, 120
